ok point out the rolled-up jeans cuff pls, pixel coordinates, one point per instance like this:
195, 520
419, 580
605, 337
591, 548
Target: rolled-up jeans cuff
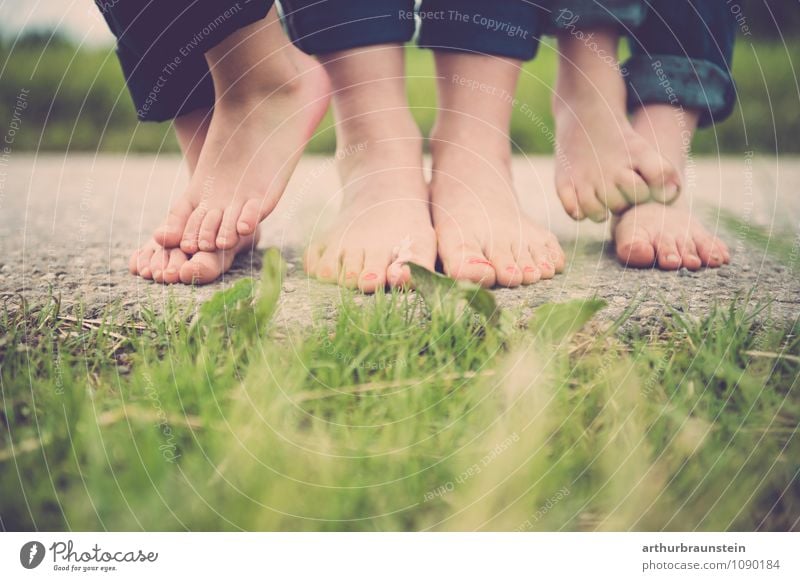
570, 15
505, 29
680, 81
165, 69
326, 26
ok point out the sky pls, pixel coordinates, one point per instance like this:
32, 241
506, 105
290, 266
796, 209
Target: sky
80, 19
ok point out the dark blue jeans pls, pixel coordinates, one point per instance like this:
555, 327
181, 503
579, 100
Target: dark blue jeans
681, 49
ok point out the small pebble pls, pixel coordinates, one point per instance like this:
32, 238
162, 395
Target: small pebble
288, 288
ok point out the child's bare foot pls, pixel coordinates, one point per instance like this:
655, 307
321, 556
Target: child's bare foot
481, 231
270, 98
385, 218
666, 236
170, 266
602, 162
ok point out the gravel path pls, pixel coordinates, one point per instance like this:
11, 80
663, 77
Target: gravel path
68, 223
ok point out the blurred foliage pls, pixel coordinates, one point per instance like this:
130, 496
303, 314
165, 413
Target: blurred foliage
75, 98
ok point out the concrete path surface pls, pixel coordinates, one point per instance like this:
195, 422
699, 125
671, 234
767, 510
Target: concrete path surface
69, 222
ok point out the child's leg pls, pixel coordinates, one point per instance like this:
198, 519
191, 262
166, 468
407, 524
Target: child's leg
269, 99
385, 217
482, 234
603, 164
678, 77
170, 266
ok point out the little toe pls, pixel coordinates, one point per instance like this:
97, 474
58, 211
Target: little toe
228, 236
250, 217
207, 237
170, 232
177, 258
555, 253
667, 253
192, 231
373, 274
569, 200
590, 204
352, 264
711, 250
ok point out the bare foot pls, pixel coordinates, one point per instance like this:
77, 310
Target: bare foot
482, 234
170, 266
270, 98
384, 221
385, 218
666, 236
602, 162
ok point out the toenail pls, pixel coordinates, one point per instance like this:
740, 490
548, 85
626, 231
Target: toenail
350, 275
370, 276
511, 269
156, 273
716, 258
479, 261
171, 271
673, 258
530, 269
205, 245
245, 227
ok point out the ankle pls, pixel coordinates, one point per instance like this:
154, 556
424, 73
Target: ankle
457, 135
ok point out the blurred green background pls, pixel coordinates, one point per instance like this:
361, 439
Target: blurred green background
77, 99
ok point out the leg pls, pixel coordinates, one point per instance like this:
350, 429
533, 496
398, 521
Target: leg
666, 236
170, 266
385, 218
679, 77
482, 234
606, 165
269, 99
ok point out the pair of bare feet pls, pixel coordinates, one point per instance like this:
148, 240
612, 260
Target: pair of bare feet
468, 215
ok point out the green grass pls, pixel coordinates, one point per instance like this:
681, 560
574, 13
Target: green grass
77, 102
406, 414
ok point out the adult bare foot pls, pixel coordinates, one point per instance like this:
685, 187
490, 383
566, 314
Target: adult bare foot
603, 163
385, 219
270, 98
482, 234
666, 236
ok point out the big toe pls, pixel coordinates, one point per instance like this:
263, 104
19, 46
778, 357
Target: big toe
633, 245
468, 262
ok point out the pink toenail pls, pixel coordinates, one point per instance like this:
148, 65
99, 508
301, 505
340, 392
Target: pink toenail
511, 269
245, 227
530, 269
350, 275
370, 276
479, 261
